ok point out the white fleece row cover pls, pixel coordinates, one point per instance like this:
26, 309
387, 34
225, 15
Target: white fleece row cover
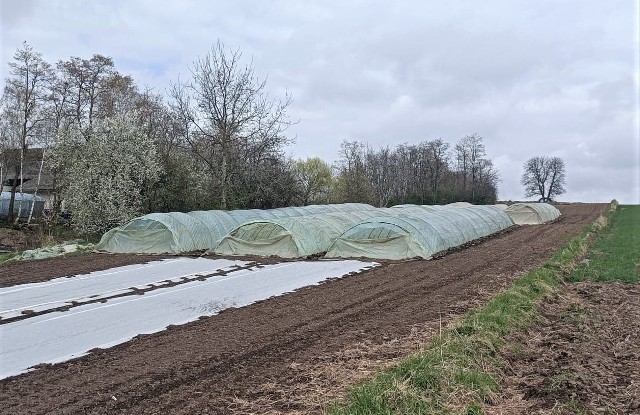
177, 232
60, 336
19, 300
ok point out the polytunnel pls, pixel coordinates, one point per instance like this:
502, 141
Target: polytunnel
501, 206
435, 207
157, 233
292, 237
532, 213
429, 208
409, 235
177, 232
459, 204
21, 204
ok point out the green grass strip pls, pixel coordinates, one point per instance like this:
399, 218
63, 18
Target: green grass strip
616, 254
8, 257
459, 370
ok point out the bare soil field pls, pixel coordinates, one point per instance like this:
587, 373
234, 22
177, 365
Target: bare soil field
582, 357
22, 272
289, 354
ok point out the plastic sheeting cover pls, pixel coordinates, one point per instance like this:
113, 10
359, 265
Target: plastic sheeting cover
410, 235
429, 208
53, 250
177, 232
17, 300
60, 336
22, 209
532, 213
459, 204
158, 233
292, 237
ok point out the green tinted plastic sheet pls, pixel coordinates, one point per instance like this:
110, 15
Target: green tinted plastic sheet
413, 234
177, 232
532, 213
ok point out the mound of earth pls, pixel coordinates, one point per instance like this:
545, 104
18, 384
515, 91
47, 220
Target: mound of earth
12, 239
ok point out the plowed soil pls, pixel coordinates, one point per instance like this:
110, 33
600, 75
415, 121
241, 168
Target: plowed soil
582, 357
289, 354
23, 272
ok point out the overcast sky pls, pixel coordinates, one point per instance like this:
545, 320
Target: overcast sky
543, 77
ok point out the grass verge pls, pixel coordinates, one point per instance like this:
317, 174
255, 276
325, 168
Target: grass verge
615, 255
459, 371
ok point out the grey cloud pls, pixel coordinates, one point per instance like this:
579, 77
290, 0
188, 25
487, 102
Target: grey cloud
13, 13
532, 78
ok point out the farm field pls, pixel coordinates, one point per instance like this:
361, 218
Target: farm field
582, 355
288, 354
67, 317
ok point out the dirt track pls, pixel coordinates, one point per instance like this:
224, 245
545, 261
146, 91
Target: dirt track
290, 353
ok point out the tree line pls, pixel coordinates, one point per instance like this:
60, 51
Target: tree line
215, 141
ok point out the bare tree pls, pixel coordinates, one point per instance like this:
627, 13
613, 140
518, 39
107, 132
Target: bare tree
352, 181
23, 113
486, 187
381, 172
227, 112
437, 164
544, 176
475, 173
84, 83
405, 172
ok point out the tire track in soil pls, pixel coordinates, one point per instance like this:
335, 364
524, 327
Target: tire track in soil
213, 364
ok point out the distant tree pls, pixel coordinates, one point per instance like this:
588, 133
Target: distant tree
436, 163
544, 177
266, 184
352, 181
106, 183
229, 118
314, 178
487, 178
476, 177
405, 171
84, 82
381, 172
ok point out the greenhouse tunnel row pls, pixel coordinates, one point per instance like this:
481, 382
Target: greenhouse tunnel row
296, 237
177, 232
532, 213
408, 236
343, 230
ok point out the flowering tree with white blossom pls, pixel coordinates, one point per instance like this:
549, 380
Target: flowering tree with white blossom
106, 176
